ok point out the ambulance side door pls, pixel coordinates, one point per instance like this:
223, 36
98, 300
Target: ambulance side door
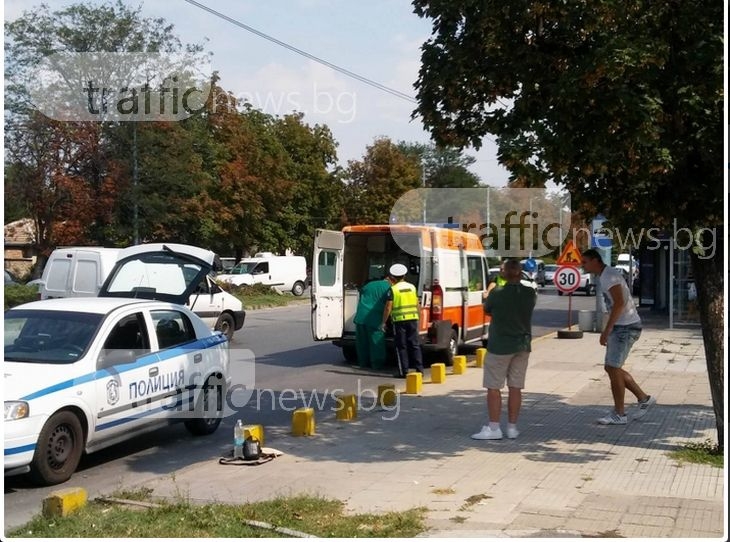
327, 285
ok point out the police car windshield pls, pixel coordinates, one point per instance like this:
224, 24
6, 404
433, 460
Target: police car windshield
57, 337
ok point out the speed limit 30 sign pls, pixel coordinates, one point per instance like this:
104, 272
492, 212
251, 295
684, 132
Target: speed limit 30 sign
567, 278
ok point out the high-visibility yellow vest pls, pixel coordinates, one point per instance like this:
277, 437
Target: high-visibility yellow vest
500, 280
405, 302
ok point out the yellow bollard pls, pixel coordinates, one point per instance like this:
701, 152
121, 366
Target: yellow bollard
386, 395
346, 408
459, 365
302, 422
414, 383
438, 373
254, 432
481, 356
63, 502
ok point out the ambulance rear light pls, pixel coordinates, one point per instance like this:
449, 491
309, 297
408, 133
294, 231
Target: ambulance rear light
437, 301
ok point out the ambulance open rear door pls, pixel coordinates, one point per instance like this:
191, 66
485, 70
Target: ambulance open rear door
327, 285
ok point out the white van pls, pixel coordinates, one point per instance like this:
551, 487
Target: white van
81, 271
287, 273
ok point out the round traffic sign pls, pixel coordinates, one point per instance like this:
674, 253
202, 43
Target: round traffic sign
567, 278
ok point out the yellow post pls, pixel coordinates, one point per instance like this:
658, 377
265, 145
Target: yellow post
302, 422
386, 395
346, 408
481, 356
254, 432
414, 383
459, 365
438, 373
63, 502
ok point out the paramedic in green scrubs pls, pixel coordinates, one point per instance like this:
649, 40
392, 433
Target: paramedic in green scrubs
369, 333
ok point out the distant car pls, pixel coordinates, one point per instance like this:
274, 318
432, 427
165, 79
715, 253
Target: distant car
550, 269
537, 274
82, 374
526, 279
586, 285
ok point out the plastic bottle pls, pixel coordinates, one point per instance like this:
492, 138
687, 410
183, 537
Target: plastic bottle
238, 437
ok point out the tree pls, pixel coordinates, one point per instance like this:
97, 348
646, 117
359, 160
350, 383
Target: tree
443, 167
619, 101
317, 192
376, 182
83, 28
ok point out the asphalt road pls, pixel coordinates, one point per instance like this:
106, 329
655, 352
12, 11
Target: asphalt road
290, 370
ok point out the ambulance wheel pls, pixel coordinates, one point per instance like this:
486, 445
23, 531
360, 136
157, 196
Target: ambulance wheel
209, 408
453, 348
298, 288
59, 449
350, 354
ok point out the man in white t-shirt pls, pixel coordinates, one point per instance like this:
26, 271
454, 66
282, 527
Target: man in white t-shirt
622, 331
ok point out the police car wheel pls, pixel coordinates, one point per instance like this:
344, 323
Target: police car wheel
209, 408
58, 450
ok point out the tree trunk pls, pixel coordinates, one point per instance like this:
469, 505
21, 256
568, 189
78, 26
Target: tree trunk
709, 282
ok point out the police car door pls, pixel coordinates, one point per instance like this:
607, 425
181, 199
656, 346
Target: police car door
327, 287
181, 364
124, 367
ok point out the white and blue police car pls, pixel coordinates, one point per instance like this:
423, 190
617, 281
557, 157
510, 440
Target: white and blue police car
82, 374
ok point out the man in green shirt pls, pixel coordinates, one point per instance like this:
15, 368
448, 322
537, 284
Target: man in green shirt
510, 337
369, 333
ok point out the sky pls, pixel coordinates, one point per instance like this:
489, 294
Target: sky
378, 39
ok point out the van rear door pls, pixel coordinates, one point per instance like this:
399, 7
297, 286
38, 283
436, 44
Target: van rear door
327, 287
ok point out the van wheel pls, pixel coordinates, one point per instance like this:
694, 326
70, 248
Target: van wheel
208, 409
298, 288
226, 325
58, 450
560, 292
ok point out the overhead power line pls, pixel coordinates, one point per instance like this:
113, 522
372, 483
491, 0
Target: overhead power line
340, 69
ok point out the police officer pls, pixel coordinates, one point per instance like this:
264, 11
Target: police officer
402, 307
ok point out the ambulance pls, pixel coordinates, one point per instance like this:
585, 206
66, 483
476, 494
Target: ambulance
448, 267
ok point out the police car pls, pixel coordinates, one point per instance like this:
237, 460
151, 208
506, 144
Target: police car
82, 374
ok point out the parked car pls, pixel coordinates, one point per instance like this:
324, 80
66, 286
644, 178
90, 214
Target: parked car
81, 271
82, 374
550, 269
527, 280
587, 286
287, 273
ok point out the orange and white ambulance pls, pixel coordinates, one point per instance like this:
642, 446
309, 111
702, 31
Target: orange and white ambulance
448, 267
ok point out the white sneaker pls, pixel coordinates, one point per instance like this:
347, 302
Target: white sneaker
512, 432
643, 408
613, 419
487, 434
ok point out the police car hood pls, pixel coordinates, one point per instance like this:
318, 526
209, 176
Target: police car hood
163, 271
24, 380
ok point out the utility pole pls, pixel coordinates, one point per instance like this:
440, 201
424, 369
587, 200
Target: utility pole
423, 185
135, 182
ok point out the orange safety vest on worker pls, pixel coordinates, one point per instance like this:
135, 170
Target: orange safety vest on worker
405, 302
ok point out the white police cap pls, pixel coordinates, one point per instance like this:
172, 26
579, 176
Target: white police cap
398, 270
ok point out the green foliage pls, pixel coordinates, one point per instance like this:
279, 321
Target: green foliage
17, 294
443, 167
619, 101
705, 452
377, 181
312, 515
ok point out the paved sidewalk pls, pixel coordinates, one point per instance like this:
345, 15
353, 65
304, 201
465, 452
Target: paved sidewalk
564, 476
